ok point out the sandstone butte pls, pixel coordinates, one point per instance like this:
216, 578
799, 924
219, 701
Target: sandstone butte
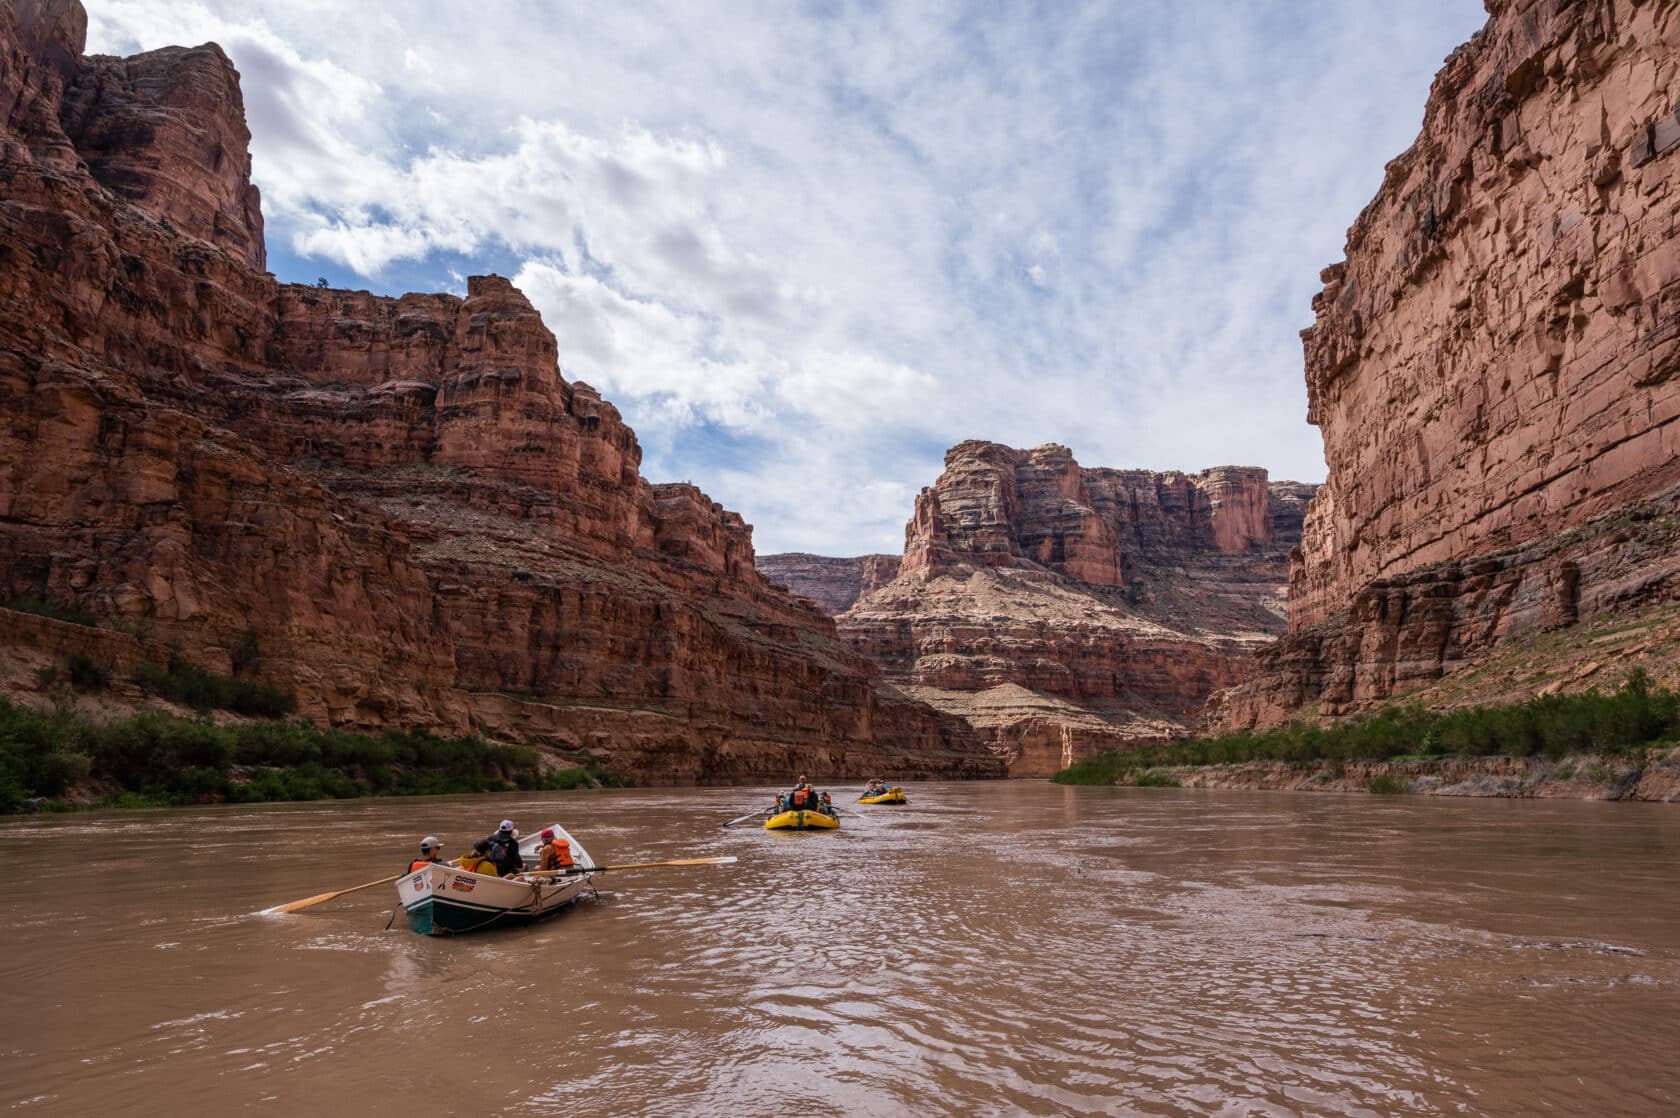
1063, 610
415, 516
1495, 371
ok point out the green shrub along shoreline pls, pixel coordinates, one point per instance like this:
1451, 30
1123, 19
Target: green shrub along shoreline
154, 759
1636, 717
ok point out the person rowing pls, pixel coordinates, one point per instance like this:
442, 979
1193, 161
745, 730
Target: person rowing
429, 856
803, 797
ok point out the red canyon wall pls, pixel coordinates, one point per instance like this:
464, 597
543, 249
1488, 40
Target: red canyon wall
833, 584
1493, 367
1063, 610
417, 518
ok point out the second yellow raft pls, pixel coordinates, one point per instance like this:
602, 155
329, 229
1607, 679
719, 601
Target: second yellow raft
893, 795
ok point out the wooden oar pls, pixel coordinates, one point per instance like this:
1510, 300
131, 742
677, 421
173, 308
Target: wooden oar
321, 898
723, 861
750, 815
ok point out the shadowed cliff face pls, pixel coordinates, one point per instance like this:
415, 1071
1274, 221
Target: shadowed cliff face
1064, 610
418, 520
1493, 365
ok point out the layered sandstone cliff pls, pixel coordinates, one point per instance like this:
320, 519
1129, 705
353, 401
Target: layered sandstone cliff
1493, 367
416, 518
833, 584
1064, 610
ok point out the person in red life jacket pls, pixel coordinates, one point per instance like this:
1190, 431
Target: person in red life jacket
825, 805
429, 847
556, 853
504, 849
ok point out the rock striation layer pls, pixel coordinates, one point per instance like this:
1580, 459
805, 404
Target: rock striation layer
1063, 610
1494, 365
400, 503
833, 584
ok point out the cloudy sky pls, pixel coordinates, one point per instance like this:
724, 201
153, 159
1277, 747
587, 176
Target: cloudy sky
805, 247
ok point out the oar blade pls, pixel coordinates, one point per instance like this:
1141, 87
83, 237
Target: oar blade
295, 905
319, 898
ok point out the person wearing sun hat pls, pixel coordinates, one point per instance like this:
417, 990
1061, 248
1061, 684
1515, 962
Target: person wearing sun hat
504, 849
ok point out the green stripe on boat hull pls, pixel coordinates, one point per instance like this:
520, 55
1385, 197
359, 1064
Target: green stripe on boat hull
433, 917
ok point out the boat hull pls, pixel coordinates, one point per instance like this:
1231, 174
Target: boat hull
441, 899
891, 796
801, 821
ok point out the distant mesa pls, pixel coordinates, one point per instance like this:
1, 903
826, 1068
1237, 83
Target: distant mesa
1062, 610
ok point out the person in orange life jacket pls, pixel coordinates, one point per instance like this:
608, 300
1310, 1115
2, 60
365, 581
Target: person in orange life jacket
429, 847
504, 849
556, 853
803, 797
825, 805
479, 860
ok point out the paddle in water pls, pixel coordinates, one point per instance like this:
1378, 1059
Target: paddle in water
321, 898
750, 815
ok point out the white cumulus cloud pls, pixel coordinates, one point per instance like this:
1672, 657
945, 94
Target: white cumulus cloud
805, 248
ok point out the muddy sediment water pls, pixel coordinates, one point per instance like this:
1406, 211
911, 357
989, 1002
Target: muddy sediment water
1006, 948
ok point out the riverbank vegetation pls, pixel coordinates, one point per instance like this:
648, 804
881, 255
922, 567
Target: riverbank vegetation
155, 759
51, 608
1636, 717
190, 685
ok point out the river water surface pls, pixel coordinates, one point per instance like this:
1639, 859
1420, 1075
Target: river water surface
1007, 948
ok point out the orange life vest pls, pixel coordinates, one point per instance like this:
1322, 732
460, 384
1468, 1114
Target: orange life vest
800, 795
421, 863
559, 851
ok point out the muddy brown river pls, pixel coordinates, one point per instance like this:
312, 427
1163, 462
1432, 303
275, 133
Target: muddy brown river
1008, 948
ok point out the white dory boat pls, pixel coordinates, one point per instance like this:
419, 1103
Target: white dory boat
443, 900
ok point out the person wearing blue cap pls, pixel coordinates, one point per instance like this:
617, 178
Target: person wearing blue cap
504, 849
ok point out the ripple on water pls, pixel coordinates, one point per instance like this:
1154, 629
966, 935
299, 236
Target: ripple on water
1003, 949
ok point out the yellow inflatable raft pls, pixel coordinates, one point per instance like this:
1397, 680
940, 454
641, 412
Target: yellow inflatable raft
801, 821
893, 795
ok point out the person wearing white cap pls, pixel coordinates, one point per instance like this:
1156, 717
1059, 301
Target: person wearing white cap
504, 849
429, 847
